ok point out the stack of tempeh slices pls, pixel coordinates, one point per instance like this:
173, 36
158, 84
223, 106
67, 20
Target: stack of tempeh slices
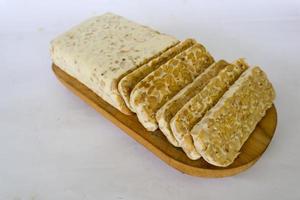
208, 108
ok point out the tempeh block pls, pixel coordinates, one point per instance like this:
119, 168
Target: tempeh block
103, 49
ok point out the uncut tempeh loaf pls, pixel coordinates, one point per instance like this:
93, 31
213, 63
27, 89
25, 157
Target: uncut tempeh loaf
103, 49
162, 84
219, 136
128, 82
193, 111
168, 111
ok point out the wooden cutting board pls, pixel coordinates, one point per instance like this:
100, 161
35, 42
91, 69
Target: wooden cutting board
158, 144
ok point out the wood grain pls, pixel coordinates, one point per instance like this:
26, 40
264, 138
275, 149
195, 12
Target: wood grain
158, 144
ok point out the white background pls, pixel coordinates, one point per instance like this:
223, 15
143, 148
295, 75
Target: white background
54, 146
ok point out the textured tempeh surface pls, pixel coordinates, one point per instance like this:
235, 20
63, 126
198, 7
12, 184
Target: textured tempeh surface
167, 111
103, 49
192, 112
219, 136
128, 82
162, 84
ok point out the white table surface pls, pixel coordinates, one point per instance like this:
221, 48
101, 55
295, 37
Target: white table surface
54, 146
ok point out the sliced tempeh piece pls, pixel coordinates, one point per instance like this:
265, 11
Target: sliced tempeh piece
192, 112
219, 136
168, 111
162, 84
127, 83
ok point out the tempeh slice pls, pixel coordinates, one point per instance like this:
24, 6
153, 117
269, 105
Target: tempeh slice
127, 83
162, 84
192, 112
219, 136
168, 111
